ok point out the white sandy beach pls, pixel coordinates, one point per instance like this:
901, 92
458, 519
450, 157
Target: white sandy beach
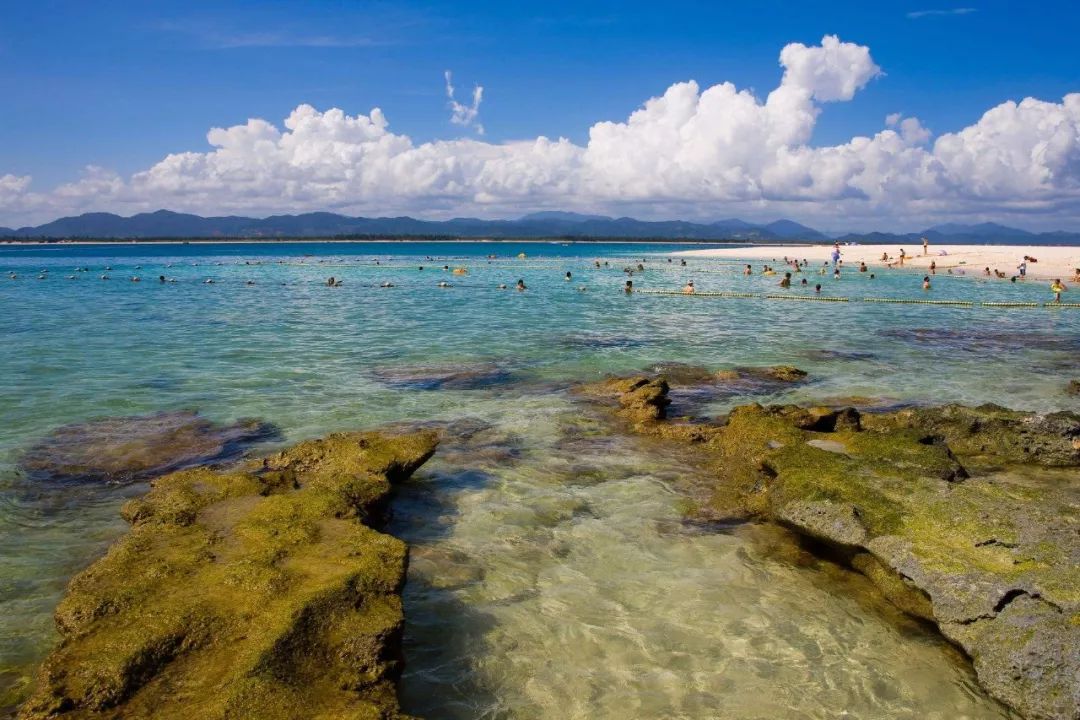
1053, 261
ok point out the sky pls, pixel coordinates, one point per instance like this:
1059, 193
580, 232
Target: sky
845, 116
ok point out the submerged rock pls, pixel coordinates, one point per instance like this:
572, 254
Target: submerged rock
445, 377
122, 449
1073, 388
966, 517
251, 593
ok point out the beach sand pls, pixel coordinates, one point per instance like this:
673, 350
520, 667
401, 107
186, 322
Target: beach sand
1053, 261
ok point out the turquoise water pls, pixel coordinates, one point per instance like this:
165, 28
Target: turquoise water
553, 577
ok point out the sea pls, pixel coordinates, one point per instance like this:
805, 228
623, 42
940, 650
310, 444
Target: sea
553, 572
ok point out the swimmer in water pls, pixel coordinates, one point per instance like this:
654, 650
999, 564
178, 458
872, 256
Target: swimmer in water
135, 278
817, 288
862, 267
520, 287
786, 282
568, 276
688, 289
330, 281
444, 284
836, 274
804, 281
748, 270
161, 278
1057, 287
502, 286
629, 287
387, 284
208, 281
926, 282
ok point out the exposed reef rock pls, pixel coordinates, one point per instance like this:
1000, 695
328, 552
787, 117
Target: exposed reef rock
122, 449
967, 517
688, 387
252, 593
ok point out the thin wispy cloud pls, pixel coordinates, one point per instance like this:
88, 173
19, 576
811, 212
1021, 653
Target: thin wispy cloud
915, 15
461, 114
224, 39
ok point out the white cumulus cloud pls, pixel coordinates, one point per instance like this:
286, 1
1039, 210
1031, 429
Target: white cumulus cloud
692, 151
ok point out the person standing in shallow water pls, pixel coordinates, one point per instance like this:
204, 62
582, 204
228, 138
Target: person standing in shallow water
688, 289
1057, 287
926, 282
629, 287
786, 282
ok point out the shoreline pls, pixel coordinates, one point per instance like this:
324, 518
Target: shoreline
1054, 261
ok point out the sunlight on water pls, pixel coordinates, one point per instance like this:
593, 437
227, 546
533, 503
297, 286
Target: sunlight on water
551, 574
565, 585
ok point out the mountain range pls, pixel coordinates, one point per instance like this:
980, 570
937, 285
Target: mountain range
549, 224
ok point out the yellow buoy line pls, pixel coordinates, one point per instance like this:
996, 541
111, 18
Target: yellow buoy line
825, 298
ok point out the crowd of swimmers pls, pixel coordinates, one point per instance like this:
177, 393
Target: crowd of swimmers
797, 267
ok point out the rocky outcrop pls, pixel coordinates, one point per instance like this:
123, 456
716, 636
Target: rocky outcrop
258, 592
963, 516
122, 449
688, 387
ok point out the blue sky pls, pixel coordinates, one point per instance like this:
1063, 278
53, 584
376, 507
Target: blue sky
121, 85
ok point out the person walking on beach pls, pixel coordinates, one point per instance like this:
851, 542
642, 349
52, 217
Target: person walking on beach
902, 256
1057, 287
1022, 267
925, 246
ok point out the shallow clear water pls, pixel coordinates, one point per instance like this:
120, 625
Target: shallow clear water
552, 576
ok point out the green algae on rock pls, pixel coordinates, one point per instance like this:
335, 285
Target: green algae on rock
966, 517
252, 593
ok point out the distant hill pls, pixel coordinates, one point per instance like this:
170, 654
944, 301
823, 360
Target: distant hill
987, 229
164, 224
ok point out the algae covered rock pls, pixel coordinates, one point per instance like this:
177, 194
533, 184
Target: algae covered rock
967, 517
253, 593
640, 398
122, 449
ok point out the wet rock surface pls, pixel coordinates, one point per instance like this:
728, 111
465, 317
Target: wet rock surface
690, 387
967, 517
124, 449
257, 592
